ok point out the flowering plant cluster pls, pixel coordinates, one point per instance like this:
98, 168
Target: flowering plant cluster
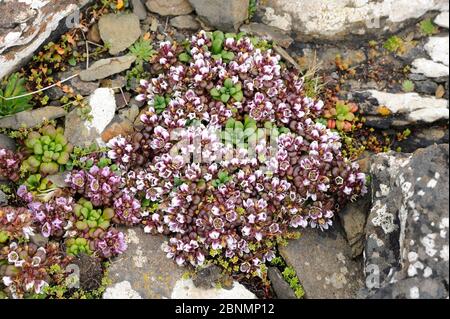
231, 195
28, 268
231, 157
10, 164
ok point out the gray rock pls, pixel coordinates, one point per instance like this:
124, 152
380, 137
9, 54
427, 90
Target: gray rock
186, 22
406, 253
353, 219
119, 31
32, 118
279, 285
423, 137
169, 7
82, 87
39, 240
211, 276
426, 87
139, 9
83, 133
324, 265
7, 142
145, 266
3, 198
268, 33
225, 15
30, 24
107, 67
58, 180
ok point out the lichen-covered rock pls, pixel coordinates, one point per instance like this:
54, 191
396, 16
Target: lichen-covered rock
169, 7
323, 262
185, 289
28, 24
226, 15
339, 19
121, 290
32, 118
119, 31
145, 266
406, 252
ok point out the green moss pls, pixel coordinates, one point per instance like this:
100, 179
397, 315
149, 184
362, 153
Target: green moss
427, 27
394, 44
291, 278
408, 86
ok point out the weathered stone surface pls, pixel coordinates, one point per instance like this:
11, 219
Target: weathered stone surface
429, 68
186, 22
90, 272
169, 7
107, 67
3, 198
28, 25
279, 285
7, 142
353, 219
408, 108
442, 19
82, 132
139, 9
226, 15
185, 289
424, 137
406, 253
121, 290
325, 57
144, 271
119, 31
94, 34
268, 33
338, 19
324, 265
58, 180
426, 87
32, 118
211, 276
145, 266
437, 48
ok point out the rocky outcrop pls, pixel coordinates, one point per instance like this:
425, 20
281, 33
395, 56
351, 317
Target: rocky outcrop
29, 24
341, 19
406, 250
